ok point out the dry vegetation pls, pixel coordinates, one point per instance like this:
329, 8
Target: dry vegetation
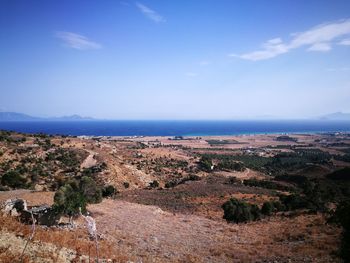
169, 202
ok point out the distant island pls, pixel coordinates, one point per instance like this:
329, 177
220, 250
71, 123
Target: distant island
339, 116
15, 116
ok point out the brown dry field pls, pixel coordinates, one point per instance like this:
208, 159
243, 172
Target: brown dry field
144, 233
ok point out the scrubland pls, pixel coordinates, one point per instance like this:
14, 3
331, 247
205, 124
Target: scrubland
169, 195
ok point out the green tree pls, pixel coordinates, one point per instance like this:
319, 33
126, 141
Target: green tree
205, 163
69, 199
90, 190
74, 195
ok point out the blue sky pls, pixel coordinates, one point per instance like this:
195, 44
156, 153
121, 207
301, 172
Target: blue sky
193, 59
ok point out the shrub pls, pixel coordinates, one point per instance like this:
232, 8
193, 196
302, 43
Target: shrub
13, 179
267, 184
173, 183
205, 164
230, 165
90, 190
154, 184
126, 184
109, 191
237, 211
296, 179
295, 201
267, 208
233, 180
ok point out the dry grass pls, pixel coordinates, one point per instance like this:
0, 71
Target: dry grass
77, 240
33, 198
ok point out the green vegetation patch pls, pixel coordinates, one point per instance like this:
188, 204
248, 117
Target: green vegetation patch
236, 211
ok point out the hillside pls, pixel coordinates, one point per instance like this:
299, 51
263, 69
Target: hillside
14, 116
171, 194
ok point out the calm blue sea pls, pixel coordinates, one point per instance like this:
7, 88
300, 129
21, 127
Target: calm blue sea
173, 128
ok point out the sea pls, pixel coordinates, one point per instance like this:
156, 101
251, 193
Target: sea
175, 128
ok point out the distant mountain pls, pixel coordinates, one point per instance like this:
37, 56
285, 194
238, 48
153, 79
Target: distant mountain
71, 118
14, 116
337, 116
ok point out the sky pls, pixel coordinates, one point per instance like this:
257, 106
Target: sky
183, 59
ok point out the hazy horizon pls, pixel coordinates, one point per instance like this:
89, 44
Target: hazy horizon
175, 60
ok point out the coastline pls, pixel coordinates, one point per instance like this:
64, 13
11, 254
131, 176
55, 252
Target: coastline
176, 128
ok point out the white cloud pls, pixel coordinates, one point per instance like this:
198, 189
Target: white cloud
319, 38
271, 48
191, 74
204, 63
338, 69
275, 41
345, 42
77, 41
151, 14
323, 47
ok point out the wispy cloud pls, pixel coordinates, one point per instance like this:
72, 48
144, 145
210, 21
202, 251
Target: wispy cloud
191, 74
77, 41
345, 42
320, 38
204, 63
149, 13
338, 69
322, 47
271, 48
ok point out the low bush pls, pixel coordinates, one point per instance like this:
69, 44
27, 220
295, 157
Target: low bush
267, 184
296, 201
205, 164
236, 211
154, 184
271, 207
14, 179
230, 165
267, 208
233, 180
90, 190
173, 183
109, 191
